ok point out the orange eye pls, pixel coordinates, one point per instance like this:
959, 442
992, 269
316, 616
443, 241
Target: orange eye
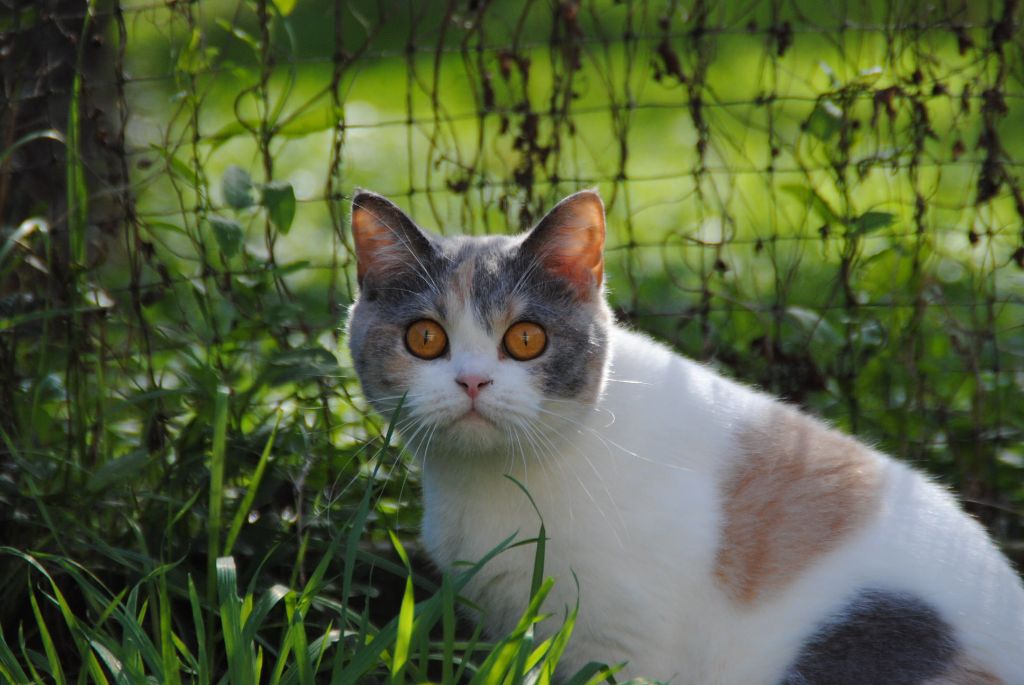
525, 341
426, 339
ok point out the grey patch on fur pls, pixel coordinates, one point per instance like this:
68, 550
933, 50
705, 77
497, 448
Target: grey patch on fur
880, 638
504, 270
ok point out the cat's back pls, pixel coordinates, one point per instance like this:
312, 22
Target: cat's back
816, 536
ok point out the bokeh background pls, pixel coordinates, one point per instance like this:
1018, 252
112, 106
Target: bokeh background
823, 199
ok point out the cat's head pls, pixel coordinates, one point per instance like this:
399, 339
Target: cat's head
495, 342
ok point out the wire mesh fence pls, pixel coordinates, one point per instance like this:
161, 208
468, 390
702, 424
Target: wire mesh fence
823, 199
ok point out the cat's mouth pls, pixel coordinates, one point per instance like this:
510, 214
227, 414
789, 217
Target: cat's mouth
474, 416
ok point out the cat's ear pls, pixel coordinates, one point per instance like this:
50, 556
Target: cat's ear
386, 240
569, 241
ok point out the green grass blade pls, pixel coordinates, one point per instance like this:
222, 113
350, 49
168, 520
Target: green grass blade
216, 499
403, 637
506, 657
171, 673
239, 653
468, 649
114, 665
538, 558
198, 622
555, 647
10, 669
369, 654
351, 550
286, 642
592, 674
31, 658
77, 192
298, 644
260, 610
315, 583
447, 629
538, 561
393, 421
250, 494
52, 660
315, 652
50, 134
318, 648
524, 652
406, 614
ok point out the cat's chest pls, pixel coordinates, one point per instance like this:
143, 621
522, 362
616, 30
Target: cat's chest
619, 529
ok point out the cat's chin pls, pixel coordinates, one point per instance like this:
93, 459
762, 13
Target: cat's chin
471, 433
474, 430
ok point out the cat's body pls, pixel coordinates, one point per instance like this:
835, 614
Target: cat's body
718, 536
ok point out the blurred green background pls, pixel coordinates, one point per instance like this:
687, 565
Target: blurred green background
822, 199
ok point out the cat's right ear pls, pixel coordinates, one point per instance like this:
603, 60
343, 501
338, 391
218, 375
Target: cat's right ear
386, 240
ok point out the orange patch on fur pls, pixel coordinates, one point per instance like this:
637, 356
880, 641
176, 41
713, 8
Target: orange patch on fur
462, 282
967, 672
795, 491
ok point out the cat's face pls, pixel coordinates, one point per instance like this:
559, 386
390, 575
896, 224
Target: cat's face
496, 343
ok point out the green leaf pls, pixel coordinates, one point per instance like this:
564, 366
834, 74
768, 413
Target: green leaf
230, 130
177, 167
869, 76
830, 73
239, 33
236, 188
872, 221
279, 199
824, 121
810, 197
285, 7
117, 470
194, 57
311, 119
229, 234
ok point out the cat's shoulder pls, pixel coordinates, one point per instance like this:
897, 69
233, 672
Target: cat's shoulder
639, 359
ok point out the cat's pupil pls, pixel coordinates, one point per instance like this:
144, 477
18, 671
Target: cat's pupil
526, 339
427, 336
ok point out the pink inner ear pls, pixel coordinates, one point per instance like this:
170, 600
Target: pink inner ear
575, 250
374, 240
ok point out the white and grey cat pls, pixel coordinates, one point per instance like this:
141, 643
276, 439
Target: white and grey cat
718, 536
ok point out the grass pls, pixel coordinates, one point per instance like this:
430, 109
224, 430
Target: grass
161, 628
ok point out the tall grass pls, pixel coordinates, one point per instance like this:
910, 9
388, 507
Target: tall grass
249, 628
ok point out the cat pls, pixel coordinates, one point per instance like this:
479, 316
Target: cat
717, 536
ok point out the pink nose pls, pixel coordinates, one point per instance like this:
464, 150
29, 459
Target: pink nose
473, 384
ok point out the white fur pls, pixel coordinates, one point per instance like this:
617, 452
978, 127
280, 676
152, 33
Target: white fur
629, 494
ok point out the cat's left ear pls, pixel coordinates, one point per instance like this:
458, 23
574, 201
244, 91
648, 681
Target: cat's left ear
569, 241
